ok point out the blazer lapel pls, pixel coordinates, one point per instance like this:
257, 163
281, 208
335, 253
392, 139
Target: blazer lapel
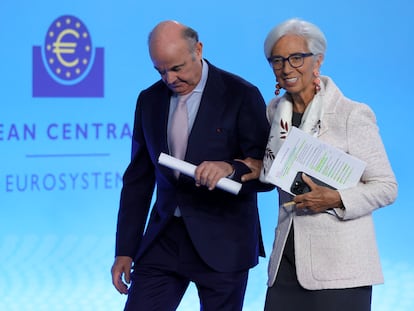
210, 110
160, 108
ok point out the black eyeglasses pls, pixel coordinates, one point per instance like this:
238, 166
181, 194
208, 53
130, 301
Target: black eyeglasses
295, 60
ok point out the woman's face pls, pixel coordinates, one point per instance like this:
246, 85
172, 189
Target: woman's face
296, 81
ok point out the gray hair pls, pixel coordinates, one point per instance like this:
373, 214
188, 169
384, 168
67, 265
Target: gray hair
314, 37
191, 36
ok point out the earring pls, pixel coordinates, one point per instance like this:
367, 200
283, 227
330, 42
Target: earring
317, 81
278, 87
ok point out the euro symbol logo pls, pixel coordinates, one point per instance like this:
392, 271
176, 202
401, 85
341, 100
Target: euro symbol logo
68, 50
60, 48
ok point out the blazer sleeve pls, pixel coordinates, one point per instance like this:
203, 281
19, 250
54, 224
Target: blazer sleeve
136, 194
378, 186
253, 129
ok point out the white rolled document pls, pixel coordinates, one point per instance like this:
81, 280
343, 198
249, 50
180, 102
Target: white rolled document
188, 169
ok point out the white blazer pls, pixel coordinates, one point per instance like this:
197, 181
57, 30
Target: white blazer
340, 251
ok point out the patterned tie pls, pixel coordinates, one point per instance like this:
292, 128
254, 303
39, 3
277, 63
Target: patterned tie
179, 129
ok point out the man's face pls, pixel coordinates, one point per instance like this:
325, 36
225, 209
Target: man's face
179, 68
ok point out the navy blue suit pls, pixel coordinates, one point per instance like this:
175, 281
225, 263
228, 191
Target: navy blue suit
224, 228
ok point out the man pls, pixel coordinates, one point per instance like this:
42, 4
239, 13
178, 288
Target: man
195, 232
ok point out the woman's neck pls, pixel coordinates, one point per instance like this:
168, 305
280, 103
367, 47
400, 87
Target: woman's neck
301, 101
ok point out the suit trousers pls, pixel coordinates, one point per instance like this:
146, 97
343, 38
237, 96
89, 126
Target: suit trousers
163, 273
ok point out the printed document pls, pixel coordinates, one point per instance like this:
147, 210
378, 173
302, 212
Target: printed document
303, 152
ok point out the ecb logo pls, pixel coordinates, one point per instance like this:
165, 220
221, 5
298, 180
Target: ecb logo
67, 65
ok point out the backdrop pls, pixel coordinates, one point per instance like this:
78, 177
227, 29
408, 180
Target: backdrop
66, 117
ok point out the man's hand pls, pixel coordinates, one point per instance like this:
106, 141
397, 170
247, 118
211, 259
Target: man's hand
254, 165
121, 269
209, 173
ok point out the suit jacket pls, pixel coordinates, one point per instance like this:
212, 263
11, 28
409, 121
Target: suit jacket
231, 123
340, 251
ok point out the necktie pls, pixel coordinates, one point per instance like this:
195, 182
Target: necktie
179, 135
179, 129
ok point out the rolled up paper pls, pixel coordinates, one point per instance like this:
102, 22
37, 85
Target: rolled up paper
188, 169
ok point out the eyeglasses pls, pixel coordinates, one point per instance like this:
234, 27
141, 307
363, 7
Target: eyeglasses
295, 60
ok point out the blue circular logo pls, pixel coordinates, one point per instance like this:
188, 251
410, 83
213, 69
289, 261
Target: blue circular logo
68, 52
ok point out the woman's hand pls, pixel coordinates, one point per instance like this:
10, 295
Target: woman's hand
254, 165
319, 199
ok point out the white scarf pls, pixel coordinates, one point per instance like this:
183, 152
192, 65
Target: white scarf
280, 111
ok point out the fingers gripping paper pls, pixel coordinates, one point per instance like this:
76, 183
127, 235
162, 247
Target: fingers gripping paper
188, 169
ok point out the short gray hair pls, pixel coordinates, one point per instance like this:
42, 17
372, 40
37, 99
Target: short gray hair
314, 37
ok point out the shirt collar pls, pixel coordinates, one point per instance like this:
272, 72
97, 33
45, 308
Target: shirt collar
204, 74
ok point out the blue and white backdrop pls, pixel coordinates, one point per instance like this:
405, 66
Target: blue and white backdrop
66, 114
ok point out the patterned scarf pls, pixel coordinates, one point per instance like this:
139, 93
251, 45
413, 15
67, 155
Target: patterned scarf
280, 111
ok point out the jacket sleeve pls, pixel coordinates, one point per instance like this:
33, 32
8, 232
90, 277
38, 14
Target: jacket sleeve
136, 194
378, 186
253, 130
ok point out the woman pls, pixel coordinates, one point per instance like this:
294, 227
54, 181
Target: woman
324, 255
